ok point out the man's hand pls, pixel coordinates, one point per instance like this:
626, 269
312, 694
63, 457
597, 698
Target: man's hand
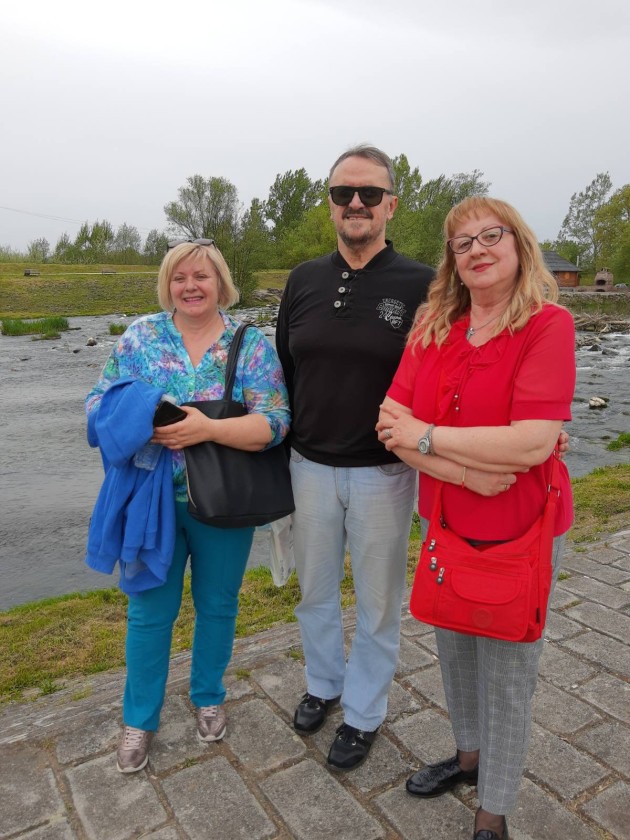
563, 444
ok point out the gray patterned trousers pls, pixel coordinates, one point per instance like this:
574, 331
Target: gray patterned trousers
489, 685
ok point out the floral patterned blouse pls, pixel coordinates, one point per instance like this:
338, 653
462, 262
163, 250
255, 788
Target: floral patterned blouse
151, 349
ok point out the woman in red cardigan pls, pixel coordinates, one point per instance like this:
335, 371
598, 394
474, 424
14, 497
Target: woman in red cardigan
478, 402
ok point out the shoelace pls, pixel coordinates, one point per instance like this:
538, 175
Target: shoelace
348, 734
133, 738
208, 711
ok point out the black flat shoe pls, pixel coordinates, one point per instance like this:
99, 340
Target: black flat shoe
350, 748
436, 779
310, 714
486, 834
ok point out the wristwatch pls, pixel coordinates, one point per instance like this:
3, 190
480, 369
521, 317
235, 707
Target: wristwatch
424, 444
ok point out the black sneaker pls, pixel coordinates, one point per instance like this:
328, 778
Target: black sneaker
350, 748
311, 712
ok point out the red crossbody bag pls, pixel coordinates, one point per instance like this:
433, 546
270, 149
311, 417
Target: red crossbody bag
500, 591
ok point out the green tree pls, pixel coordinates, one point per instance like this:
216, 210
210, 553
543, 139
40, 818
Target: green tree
620, 259
313, 237
38, 250
63, 249
126, 245
250, 250
93, 243
612, 222
579, 223
155, 246
416, 228
207, 208
407, 183
291, 195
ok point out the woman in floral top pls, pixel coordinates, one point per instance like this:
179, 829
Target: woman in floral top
183, 352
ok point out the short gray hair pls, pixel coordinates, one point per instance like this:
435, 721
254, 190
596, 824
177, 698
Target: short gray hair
364, 150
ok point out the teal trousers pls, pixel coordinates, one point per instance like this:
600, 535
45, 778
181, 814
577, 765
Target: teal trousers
218, 557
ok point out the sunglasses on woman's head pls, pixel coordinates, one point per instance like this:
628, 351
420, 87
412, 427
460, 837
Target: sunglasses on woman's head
369, 196
175, 242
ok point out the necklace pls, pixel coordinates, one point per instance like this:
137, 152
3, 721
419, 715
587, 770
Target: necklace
472, 330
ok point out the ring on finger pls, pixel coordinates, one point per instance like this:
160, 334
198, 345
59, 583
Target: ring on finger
387, 433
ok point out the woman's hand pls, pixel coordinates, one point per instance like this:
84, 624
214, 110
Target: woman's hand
396, 428
487, 483
194, 429
251, 432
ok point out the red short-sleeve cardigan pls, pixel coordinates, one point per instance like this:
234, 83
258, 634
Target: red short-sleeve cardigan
527, 375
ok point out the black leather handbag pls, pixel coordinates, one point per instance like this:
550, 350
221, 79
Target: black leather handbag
232, 488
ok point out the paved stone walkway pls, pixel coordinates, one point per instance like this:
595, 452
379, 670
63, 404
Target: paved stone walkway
58, 779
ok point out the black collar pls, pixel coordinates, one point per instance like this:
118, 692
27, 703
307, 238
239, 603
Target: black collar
383, 257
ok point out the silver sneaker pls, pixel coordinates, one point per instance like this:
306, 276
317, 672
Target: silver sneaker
133, 752
211, 723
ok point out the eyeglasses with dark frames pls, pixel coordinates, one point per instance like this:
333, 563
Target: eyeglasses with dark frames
175, 242
489, 237
369, 196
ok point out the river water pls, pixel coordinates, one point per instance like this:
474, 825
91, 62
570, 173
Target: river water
49, 476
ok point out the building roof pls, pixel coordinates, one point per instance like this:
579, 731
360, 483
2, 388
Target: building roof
555, 262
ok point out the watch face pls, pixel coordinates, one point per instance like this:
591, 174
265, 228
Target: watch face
423, 446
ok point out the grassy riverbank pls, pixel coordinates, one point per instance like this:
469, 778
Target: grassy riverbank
44, 644
85, 290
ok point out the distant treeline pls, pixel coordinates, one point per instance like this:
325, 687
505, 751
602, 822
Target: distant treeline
292, 224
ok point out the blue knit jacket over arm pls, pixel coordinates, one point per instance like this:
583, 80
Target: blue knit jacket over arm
133, 522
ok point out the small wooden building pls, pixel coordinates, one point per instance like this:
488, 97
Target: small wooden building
564, 271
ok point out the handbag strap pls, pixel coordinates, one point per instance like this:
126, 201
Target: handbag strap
553, 491
232, 359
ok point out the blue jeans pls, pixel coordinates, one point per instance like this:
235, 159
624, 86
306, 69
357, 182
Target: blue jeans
218, 557
369, 509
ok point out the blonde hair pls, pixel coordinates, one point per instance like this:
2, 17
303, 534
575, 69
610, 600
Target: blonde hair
228, 293
448, 297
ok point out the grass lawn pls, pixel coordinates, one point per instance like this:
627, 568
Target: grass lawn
84, 290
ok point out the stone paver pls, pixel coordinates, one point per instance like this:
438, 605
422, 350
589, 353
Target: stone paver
211, 800
176, 740
563, 669
28, 793
539, 816
561, 766
58, 779
602, 650
111, 805
559, 712
313, 805
259, 739
445, 818
597, 617
609, 694
594, 590
610, 809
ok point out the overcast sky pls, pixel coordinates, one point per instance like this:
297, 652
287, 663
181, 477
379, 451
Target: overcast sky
107, 108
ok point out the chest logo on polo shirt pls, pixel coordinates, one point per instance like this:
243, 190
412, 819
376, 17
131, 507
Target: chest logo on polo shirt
393, 311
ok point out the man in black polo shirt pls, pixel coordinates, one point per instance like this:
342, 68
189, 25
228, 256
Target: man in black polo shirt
341, 331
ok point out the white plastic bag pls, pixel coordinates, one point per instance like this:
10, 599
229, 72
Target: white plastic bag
281, 557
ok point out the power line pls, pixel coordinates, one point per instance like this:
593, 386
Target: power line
59, 218
41, 215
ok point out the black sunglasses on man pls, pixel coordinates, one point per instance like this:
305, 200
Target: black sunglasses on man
369, 196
